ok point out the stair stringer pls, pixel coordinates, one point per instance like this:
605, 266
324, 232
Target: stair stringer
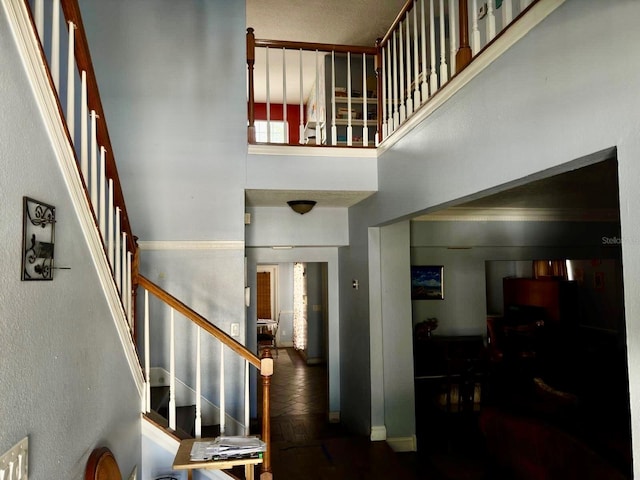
185, 395
39, 81
158, 451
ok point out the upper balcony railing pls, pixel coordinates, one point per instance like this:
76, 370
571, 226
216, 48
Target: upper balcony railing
331, 95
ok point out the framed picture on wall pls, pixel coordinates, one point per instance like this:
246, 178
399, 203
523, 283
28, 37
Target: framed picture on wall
427, 282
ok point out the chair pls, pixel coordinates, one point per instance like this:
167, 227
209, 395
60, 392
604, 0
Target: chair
268, 339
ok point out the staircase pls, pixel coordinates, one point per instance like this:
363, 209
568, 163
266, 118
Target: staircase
83, 149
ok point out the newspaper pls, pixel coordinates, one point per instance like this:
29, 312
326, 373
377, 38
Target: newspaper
227, 448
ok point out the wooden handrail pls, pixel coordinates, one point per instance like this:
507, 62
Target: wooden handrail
407, 6
323, 47
71, 11
199, 320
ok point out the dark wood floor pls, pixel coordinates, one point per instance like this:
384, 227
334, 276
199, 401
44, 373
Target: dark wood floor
306, 446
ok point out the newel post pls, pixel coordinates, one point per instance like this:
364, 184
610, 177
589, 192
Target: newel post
251, 60
266, 371
463, 57
378, 68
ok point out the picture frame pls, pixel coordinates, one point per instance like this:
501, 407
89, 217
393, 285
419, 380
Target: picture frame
427, 282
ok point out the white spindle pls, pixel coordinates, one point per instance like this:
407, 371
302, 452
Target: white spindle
123, 259
475, 31
110, 216
268, 98
223, 412
491, 22
198, 425
318, 106
71, 84
334, 128
102, 199
84, 137
147, 355
349, 118
385, 130
302, 138
284, 96
246, 398
365, 126
433, 78
390, 100
423, 36
416, 58
117, 260
129, 292
39, 14
408, 66
55, 44
453, 35
401, 66
93, 172
172, 372
507, 13
396, 101
444, 69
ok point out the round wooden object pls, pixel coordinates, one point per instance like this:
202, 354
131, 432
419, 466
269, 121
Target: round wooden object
102, 465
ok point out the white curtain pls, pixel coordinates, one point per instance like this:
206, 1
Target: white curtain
300, 306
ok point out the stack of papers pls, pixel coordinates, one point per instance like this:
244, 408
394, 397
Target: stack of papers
227, 448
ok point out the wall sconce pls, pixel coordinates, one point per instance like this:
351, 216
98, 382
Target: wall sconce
301, 206
38, 235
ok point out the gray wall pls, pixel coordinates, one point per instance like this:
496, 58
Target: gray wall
558, 95
65, 379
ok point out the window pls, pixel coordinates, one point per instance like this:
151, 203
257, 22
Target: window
278, 134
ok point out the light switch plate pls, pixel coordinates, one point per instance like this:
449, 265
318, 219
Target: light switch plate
14, 463
235, 329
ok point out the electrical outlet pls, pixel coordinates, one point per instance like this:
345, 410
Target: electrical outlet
235, 329
14, 462
482, 11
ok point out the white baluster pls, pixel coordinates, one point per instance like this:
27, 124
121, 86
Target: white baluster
423, 36
84, 137
71, 84
401, 66
302, 138
390, 100
334, 128
475, 31
117, 260
93, 172
102, 198
39, 9
408, 66
319, 140
268, 98
433, 78
198, 431
365, 127
55, 44
385, 130
284, 97
129, 292
491, 22
172, 372
110, 225
123, 258
247, 418
453, 35
349, 126
507, 13
147, 354
396, 97
444, 69
416, 58
223, 412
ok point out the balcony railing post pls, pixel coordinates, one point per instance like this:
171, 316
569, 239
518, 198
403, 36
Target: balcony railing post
266, 371
251, 60
378, 69
463, 57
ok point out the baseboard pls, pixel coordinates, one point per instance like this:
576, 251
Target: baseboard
378, 433
403, 444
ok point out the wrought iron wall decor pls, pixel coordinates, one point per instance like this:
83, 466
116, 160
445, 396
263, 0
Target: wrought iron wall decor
38, 237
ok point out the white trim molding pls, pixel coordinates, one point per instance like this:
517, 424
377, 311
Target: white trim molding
403, 444
378, 433
191, 245
312, 151
30, 53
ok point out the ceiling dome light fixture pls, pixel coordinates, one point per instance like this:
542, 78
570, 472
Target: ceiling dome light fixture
301, 206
